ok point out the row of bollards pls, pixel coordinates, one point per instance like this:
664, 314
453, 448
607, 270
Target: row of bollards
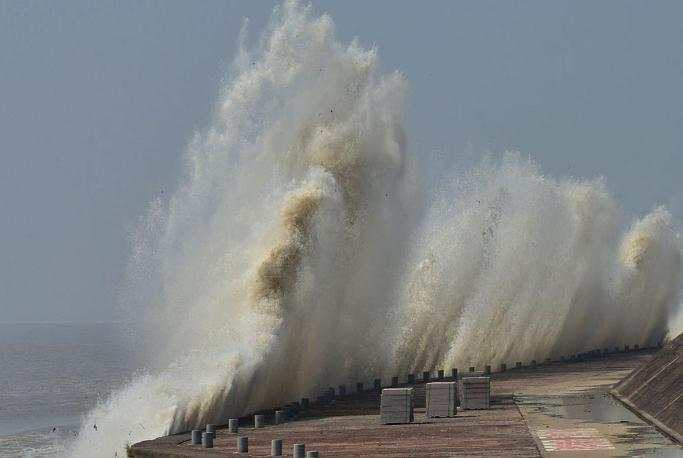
427, 375
206, 438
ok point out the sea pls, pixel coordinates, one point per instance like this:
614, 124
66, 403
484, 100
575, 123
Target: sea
51, 374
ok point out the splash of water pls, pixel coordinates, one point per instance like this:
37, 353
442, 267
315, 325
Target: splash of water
294, 255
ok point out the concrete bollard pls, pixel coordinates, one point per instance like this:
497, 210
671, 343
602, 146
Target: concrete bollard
472, 368
342, 390
394, 381
503, 367
299, 451
211, 429
425, 376
243, 444
312, 454
276, 447
359, 387
377, 384
441, 374
279, 417
454, 373
232, 425
518, 364
411, 378
305, 403
207, 439
196, 436
487, 370
259, 421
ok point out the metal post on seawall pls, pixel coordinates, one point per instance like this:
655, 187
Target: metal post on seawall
454, 373
276, 447
503, 367
312, 454
232, 425
342, 390
359, 387
243, 444
441, 374
627, 348
394, 381
426, 375
299, 451
196, 436
207, 439
279, 417
377, 384
259, 421
636, 347
487, 370
411, 378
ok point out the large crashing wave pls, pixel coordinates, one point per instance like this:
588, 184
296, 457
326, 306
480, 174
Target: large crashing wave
294, 255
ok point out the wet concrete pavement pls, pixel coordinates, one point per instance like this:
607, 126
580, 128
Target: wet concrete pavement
591, 424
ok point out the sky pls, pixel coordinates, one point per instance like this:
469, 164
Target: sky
98, 101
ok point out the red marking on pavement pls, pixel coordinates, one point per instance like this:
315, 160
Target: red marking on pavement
556, 440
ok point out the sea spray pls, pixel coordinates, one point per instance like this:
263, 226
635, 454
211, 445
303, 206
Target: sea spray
297, 253
268, 274
512, 265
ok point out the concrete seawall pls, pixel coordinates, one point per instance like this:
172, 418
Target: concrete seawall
655, 390
529, 405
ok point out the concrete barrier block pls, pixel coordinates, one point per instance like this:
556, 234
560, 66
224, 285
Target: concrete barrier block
441, 399
196, 436
259, 421
232, 425
475, 393
396, 406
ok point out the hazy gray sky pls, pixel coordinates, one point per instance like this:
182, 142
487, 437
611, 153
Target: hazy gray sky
98, 99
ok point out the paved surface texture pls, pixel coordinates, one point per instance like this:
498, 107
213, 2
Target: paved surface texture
555, 410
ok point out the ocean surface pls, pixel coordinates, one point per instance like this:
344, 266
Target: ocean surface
51, 374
